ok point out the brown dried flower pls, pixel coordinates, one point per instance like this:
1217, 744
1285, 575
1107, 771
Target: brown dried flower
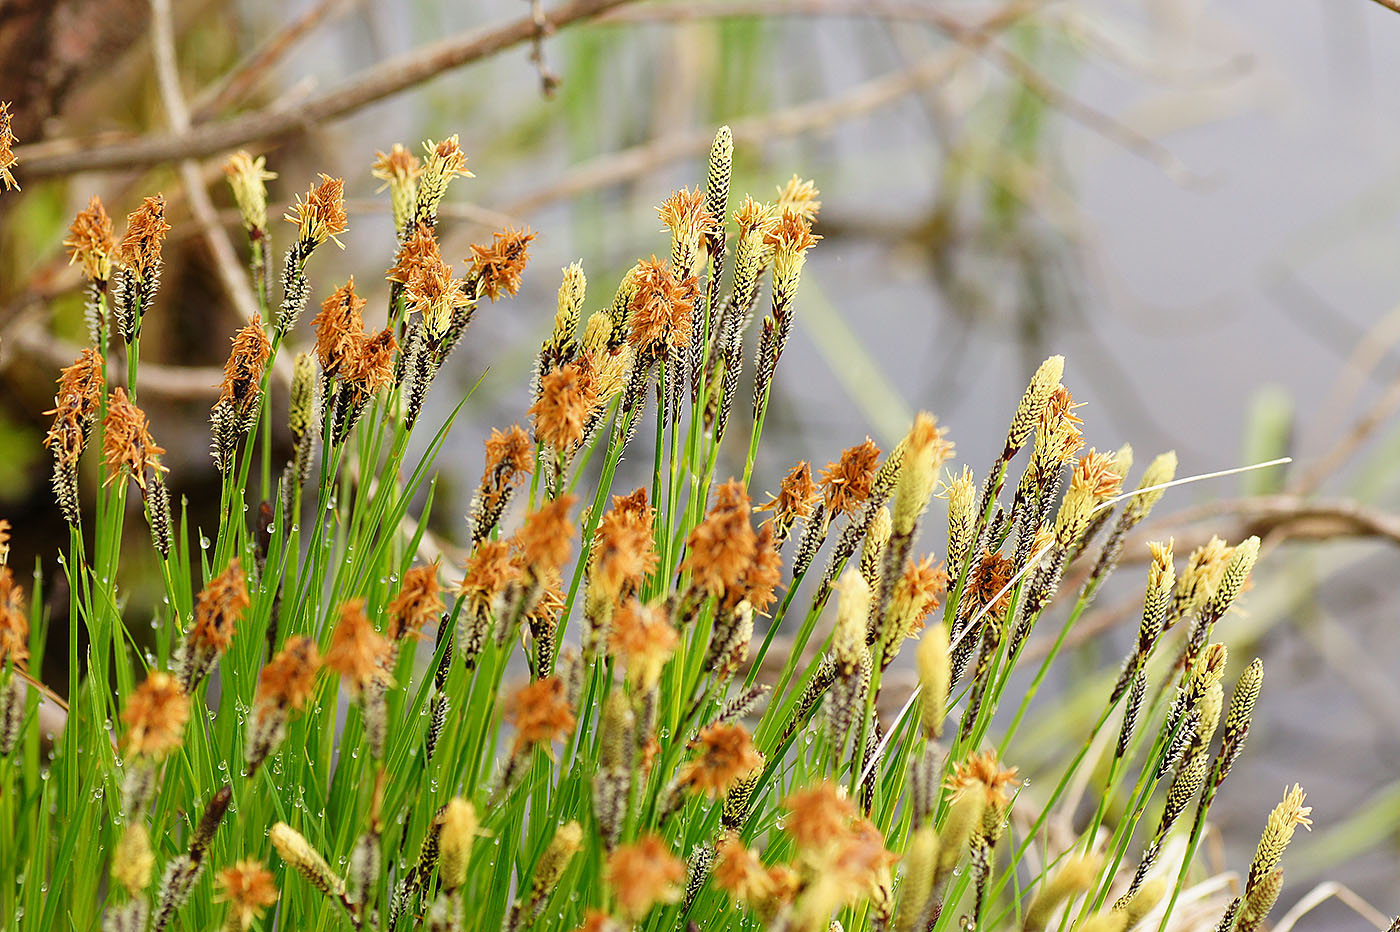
660, 309
566, 397
818, 816
7, 156
759, 583
916, 594
496, 268
90, 241
721, 548
218, 607
155, 716
846, 482
289, 678
247, 361
145, 231
357, 650
79, 396
644, 874
14, 621
127, 442
987, 582
322, 215
339, 329
489, 570
726, 755
797, 495
739, 872
543, 541
419, 601
540, 713
248, 889
624, 550
983, 774
643, 638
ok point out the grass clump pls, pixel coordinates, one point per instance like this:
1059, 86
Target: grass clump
592, 722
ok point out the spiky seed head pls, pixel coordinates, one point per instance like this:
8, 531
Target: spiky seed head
852, 611
1233, 580
916, 884
293, 848
567, 840
925, 452
1278, 832
934, 676
1137, 906
1075, 875
962, 518
133, 860
1038, 392
459, 830
1245, 695
1160, 471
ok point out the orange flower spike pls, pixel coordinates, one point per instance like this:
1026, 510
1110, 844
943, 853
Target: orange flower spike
127, 444
90, 241
496, 269
156, 715
357, 649
540, 713
643, 874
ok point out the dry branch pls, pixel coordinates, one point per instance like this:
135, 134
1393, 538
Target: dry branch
65, 156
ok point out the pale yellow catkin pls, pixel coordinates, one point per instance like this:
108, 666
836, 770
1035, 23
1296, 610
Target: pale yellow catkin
934, 674
1074, 876
459, 828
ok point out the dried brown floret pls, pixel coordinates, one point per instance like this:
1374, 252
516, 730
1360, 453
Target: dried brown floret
248, 889
419, 602
496, 268
321, 216
14, 621
846, 482
127, 441
244, 369
7, 156
540, 713
721, 548
339, 329
145, 231
983, 774
90, 241
217, 609
725, 755
543, 541
357, 650
567, 396
643, 638
644, 874
818, 815
155, 716
660, 309
288, 679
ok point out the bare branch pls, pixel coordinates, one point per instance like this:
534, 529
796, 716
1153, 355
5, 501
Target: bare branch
65, 156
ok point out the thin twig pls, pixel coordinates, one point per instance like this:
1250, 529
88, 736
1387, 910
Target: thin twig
226, 262
809, 117
1392, 5
66, 156
1018, 68
233, 86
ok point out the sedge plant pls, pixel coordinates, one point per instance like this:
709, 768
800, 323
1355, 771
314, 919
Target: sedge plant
659, 708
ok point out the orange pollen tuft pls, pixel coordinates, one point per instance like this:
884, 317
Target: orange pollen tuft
543, 541
90, 240
419, 601
496, 268
846, 482
567, 395
145, 231
721, 548
289, 678
726, 755
540, 713
127, 443
357, 650
156, 715
660, 308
